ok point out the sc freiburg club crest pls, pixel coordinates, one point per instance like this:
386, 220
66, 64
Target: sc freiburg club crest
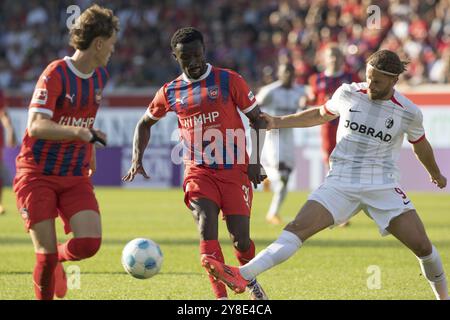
389, 123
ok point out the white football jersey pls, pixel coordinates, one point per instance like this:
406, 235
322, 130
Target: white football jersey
370, 135
277, 100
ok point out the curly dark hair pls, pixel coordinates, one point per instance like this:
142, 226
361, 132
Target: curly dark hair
94, 22
185, 35
388, 61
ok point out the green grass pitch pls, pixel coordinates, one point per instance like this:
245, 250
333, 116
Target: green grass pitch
331, 265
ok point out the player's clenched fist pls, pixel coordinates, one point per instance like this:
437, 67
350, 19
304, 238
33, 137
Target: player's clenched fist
136, 168
269, 120
440, 181
256, 174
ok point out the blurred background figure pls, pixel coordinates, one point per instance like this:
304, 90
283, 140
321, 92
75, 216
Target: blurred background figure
279, 98
322, 85
10, 139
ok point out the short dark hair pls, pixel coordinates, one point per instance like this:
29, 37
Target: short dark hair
185, 35
94, 22
389, 61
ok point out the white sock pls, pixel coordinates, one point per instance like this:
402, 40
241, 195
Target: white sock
280, 250
280, 192
433, 270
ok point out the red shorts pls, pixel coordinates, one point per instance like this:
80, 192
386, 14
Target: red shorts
328, 132
42, 197
230, 189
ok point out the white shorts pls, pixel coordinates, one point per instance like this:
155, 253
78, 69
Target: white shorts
343, 202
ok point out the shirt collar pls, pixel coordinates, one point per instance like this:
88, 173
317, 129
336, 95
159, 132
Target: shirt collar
203, 76
76, 71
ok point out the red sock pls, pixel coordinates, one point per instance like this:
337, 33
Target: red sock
212, 248
78, 248
246, 256
44, 284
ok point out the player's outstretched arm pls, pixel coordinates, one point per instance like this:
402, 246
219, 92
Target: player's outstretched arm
140, 142
41, 126
255, 170
308, 118
424, 153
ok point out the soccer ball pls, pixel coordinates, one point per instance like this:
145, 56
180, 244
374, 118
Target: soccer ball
142, 258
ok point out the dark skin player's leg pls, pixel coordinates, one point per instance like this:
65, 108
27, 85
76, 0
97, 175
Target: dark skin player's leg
206, 216
239, 230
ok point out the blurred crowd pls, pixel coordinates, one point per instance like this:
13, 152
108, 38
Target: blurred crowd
249, 36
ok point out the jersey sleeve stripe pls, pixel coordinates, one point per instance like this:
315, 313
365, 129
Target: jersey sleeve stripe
397, 103
152, 116
418, 140
251, 107
42, 110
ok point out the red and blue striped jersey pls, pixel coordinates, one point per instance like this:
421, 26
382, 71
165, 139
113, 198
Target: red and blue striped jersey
210, 125
70, 98
324, 86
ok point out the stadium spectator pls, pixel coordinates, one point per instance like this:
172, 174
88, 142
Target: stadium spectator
244, 35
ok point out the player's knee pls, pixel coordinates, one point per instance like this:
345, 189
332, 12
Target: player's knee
422, 249
87, 247
93, 247
302, 232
